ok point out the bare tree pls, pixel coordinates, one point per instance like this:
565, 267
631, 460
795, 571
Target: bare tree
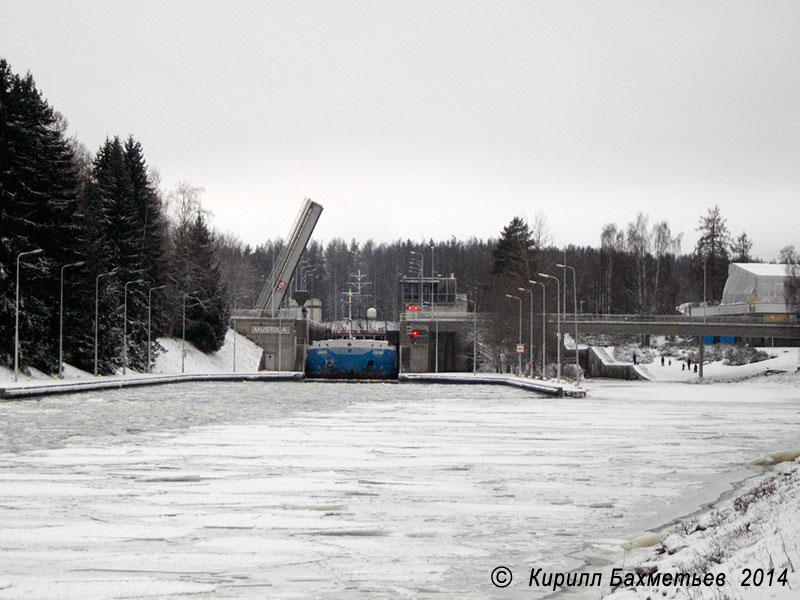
663, 244
639, 246
612, 242
541, 235
183, 203
791, 287
740, 248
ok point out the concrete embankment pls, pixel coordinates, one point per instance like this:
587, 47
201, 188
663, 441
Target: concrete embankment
33, 389
43, 388
602, 364
552, 388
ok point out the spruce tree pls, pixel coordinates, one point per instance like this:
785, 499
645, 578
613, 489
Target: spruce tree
514, 253
207, 313
152, 239
711, 254
38, 203
740, 248
119, 244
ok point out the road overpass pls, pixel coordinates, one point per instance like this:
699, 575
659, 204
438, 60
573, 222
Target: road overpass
749, 326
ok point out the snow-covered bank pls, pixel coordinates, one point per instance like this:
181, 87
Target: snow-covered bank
168, 361
247, 356
750, 527
750, 538
782, 361
237, 360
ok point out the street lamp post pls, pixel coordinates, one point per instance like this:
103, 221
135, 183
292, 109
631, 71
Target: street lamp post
544, 342
433, 271
233, 321
519, 337
306, 272
433, 316
474, 337
703, 334
575, 309
61, 321
16, 312
96, 310
125, 324
183, 332
418, 262
530, 353
558, 323
233, 324
149, 319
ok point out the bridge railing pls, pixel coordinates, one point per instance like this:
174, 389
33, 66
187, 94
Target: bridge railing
758, 319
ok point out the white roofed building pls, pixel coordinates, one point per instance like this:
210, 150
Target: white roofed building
751, 288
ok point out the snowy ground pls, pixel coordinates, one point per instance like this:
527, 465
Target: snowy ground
783, 362
168, 361
750, 538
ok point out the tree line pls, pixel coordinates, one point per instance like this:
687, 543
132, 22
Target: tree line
638, 268
95, 231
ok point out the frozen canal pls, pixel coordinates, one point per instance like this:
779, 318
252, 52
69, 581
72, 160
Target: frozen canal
315, 490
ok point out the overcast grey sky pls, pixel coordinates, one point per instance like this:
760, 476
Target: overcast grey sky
435, 118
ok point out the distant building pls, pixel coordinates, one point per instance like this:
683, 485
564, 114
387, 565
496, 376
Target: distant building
437, 326
752, 288
755, 288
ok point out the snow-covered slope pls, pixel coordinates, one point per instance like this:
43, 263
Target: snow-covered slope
783, 360
168, 360
247, 353
750, 538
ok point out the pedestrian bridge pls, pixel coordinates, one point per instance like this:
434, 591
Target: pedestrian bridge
751, 326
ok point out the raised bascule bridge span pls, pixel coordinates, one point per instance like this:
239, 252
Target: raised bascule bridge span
739, 326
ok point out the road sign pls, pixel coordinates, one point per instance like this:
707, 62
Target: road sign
520, 348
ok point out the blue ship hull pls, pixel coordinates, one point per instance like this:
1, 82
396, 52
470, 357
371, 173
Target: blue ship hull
351, 359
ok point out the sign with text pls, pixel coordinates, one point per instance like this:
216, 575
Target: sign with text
271, 329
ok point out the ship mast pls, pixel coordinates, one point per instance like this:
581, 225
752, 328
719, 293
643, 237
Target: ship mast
358, 283
350, 312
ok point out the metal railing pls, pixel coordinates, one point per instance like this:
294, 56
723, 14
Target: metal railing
756, 319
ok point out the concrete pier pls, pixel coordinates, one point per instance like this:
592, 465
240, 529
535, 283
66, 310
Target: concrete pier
32, 389
552, 388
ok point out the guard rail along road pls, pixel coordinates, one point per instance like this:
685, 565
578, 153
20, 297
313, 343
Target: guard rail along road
753, 326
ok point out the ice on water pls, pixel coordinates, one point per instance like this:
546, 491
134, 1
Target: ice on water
355, 491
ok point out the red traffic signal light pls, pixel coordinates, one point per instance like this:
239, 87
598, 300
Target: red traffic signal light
415, 334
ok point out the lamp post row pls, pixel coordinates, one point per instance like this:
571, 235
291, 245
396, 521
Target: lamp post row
575, 313
558, 323
544, 341
60, 371
558, 319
